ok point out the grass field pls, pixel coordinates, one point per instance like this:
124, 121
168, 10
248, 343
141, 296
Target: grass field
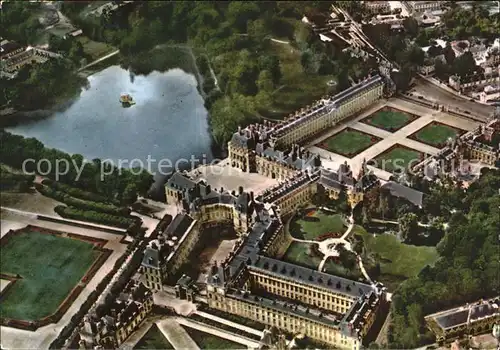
315, 224
396, 158
301, 254
389, 119
95, 49
297, 88
349, 142
49, 266
154, 339
398, 261
436, 134
209, 341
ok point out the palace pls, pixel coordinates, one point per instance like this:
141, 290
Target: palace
125, 315
251, 282
470, 319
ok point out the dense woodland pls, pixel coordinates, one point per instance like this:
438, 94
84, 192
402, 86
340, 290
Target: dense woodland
121, 185
468, 266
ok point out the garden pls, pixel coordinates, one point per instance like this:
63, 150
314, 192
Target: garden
389, 119
209, 341
154, 339
436, 134
396, 158
397, 261
47, 267
317, 225
348, 142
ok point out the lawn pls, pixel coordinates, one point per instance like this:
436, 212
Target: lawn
389, 119
297, 88
436, 134
337, 269
315, 223
94, 49
396, 158
154, 339
348, 142
301, 253
209, 341
397, 260
49, 266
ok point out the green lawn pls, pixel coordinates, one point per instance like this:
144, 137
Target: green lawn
338, 270
397, 158
154, 339
348, 142
397, 259
95, 49
436, 134
297, 88
316, 223
209, 341
50, 267
301, 254
389, 120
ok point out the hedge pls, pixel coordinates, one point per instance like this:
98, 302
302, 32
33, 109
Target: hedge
96, 217
83, 204
77, 192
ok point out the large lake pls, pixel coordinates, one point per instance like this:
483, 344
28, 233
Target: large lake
167, 122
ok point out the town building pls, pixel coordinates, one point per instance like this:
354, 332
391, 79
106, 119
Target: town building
421, 6
376, 7
490, 94
463, 321
124, 316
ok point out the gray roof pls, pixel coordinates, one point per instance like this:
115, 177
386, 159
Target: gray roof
362, 86
180, 182
408, 193
311, 277
458, 316
178, 226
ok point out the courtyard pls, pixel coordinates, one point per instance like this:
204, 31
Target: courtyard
46, 268
210, 341
436, 134
303, 254
315, 223
396, 158
389, 119
349, 142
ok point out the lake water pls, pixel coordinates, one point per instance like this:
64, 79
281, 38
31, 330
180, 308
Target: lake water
168, 120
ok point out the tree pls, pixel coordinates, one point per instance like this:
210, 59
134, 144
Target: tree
257, 30
365, 216
271, 63
411, 26
265, 81
303, 35
449, 54
408, 226
464, 65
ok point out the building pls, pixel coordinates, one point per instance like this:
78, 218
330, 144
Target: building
271, 149
125, 315
421, 6
9, 49
377, 7
463, 321
490, 93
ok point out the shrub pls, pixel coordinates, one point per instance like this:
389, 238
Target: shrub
77, 192
98, 218
83, 204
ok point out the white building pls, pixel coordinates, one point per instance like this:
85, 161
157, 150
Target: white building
490, 93
421, 6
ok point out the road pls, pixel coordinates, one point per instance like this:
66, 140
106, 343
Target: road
433, 92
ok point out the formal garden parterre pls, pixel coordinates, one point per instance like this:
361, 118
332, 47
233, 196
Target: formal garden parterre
48, 270
396, 158
349, 142
436, 134
390, 119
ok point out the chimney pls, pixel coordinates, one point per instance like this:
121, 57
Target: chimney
240, 190
251, 196
214, 268
208, 189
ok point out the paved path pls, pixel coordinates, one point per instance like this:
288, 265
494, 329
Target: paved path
219, 333
35, 215
176, 335
116, 52
230, 323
